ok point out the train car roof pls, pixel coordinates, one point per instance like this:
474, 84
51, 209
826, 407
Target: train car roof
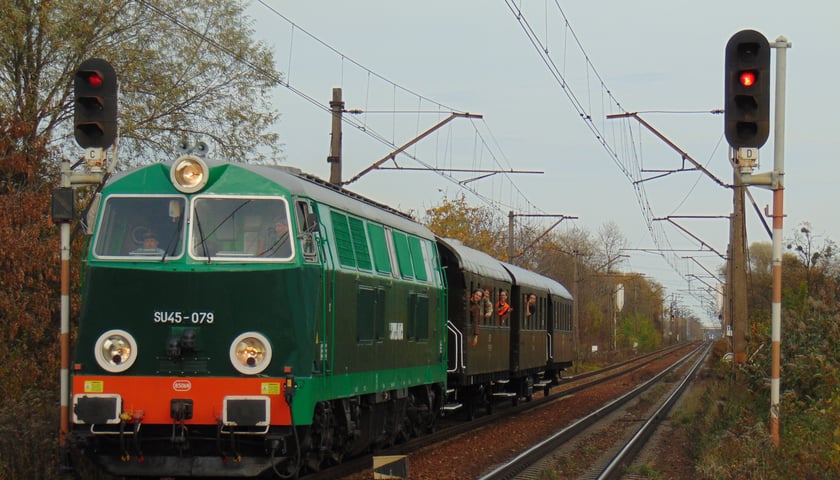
528, 279
476, 261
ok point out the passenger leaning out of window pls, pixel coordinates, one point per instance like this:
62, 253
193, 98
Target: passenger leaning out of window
531, 307
488, 307
476, 312
503, 308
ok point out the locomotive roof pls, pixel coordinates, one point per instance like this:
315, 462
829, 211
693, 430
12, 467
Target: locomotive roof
476, 261
317, 189
306, 185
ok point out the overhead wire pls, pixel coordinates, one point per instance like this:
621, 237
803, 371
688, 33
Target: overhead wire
630, 170
364, 127
627, 161
285, 83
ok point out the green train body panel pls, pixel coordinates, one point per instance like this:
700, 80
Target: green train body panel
282, 304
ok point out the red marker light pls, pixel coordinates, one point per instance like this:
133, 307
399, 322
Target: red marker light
94, 80
747, 78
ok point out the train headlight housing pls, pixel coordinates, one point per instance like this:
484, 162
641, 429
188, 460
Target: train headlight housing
115, 351
250, 353
189, 174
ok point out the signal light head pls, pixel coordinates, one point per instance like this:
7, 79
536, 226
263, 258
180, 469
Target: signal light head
747, 90
94, 79
95, 104
747, 78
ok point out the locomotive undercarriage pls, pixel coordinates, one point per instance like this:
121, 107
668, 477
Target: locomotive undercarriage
352, 426
179, 450
340, 428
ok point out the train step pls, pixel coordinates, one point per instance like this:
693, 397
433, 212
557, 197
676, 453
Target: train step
449, 407
504, 394
543, 383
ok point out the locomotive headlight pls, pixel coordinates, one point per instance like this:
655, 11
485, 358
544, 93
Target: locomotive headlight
115, 351
189, 174
250, 353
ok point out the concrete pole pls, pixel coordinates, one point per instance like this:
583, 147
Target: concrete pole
781, 46
738, 279
337, 108
510, 237
93, 175
64, 333
575, 310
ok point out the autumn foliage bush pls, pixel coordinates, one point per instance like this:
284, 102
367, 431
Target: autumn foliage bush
733, 429
29, 309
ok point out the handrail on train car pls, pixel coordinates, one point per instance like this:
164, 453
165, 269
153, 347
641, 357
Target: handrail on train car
549, 346
459, 346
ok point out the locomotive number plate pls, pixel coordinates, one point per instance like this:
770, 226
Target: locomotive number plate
197, 318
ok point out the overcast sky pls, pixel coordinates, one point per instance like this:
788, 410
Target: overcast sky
663, 58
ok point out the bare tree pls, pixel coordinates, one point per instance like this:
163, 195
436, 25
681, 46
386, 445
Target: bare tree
815, 256
610, 244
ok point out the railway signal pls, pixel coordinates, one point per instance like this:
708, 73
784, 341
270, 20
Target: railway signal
747, 87
95, 104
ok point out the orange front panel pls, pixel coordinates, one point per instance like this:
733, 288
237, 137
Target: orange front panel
152, 395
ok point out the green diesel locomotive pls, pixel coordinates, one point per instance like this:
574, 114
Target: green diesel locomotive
242, 319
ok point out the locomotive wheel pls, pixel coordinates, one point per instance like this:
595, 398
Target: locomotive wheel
321, 436
422, 413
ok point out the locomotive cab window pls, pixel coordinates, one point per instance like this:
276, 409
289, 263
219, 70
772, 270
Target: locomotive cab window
136, 228
226, 228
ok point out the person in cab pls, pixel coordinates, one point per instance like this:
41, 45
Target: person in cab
276, 243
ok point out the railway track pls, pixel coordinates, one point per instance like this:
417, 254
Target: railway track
612, 464
453, 425
625, 456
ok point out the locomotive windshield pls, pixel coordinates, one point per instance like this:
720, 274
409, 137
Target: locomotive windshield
150, 227
237, 228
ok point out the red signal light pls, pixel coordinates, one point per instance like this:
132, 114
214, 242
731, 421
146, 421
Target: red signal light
747, 89
94, 79
95, 90
747, 78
